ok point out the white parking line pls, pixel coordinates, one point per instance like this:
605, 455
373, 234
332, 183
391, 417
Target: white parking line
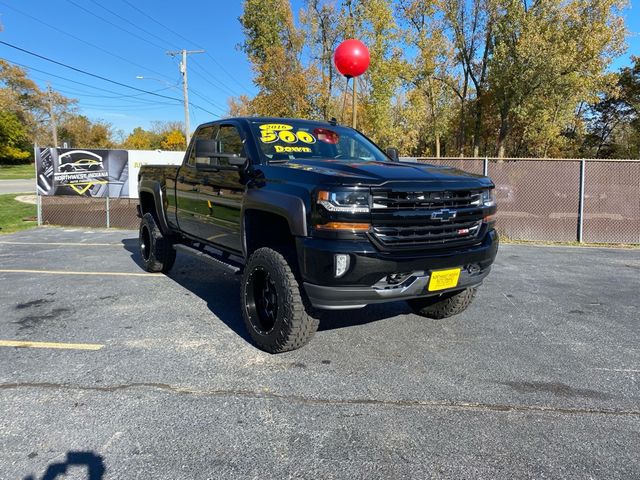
65, 244
66, 272
65, 346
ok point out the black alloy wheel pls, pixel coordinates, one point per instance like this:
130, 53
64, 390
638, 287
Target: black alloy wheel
262, 300
145, 243
156, 249
275, 309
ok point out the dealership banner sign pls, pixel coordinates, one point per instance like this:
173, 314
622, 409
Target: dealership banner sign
95, 173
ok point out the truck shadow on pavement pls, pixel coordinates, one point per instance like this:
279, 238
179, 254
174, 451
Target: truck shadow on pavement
221, 291
92, 462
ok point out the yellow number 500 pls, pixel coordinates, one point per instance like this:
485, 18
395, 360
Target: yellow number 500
305, 137
268, 135
288, 136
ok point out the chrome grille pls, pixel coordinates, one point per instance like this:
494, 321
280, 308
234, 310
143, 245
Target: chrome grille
415, 219
425, 200
417, 235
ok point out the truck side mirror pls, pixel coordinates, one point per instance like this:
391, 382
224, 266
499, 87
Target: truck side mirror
206, 148
392, 153
211, 149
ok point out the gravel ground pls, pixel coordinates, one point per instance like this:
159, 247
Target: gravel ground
539, 378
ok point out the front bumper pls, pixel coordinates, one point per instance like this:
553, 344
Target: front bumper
364, 283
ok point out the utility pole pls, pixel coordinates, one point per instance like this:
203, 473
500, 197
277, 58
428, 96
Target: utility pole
185, 88
54, 126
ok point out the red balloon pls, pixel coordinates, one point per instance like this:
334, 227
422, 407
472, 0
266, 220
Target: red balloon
352, 58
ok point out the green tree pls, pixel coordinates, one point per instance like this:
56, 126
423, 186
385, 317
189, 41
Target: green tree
510, 77
430, 98
22, 96
14, 143
323, 31
274, 46
240, 106
173, 140
548, 57
614, 121
141, 139
378, 30
470, 27
80, 132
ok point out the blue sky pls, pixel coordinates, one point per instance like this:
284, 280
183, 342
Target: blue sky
70, 32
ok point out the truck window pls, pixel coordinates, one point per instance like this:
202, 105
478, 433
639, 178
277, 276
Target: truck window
229, 142
300, 139
204, 133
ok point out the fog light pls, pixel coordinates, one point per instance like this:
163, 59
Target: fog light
473, 268
342, 264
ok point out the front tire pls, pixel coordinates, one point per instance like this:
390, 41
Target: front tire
274, 309
444, 306
156, 250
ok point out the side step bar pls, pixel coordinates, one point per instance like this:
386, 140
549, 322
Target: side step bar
208, 257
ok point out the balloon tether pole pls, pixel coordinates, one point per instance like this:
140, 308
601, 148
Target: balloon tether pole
344, 100
354, 104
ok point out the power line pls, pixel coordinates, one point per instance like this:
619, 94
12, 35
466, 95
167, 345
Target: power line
205, 76
135, 102
115, 97
213, 104
61, 87
123, 29
220, 66
115, 25
81, 40
98, 76
68, 79
125, 107
129, 21
85, 72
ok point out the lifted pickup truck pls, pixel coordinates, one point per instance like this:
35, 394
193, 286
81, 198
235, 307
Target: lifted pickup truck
317, 217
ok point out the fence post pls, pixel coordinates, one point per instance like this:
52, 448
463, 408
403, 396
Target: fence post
485, 167
108, 213
581, 202
38, 199
39, 208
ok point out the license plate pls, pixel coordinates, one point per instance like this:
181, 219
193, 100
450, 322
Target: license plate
443, 279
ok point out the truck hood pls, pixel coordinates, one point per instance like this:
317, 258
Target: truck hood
379, 173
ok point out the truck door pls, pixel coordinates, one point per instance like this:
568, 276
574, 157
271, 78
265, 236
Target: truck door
222, 191
191, 209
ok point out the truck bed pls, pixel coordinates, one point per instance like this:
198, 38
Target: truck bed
158, 172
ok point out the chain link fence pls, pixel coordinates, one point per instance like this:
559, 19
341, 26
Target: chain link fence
561, 200
96, 212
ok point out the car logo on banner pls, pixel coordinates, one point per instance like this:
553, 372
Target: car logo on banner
444, 215
80, 170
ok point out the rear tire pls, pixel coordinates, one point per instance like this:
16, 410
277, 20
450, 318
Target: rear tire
156, 249
443, 306
274, 307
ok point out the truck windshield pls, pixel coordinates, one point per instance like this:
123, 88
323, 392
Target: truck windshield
298, 139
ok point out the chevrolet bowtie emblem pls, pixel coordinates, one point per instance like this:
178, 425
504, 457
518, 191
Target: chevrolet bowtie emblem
443, 215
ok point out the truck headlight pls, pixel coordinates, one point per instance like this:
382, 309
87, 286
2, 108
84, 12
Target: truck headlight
349, 201
488, 198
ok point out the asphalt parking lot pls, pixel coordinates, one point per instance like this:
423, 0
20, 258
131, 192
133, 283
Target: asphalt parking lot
540, 378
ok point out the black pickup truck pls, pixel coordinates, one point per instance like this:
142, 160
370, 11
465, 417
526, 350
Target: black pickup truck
317, 217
